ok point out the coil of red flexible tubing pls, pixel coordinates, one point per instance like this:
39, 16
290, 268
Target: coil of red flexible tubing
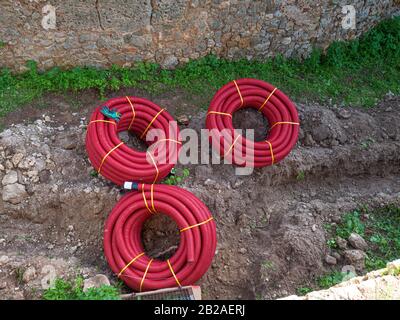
116, 161
279, 110
122, 238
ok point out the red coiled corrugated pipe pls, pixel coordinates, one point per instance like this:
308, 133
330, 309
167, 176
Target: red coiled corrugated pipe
278, 109
122, 238
116, 161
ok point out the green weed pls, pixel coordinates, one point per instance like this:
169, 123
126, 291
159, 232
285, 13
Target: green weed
331, 243
303, 291
174, 179
351, 223
300, 176
73, 290
268, 265
94, 173
330, 279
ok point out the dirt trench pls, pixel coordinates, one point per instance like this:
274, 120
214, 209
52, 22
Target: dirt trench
271, 238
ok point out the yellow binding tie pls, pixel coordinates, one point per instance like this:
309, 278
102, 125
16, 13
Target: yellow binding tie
284, 122
238, 90
220, 113
196, 225
151, 122
145, 274
129, 263
230, 148
105, 121
152, 210
108, 153
272, 151
133, 112
266, 100
172, 140
155, 166
173, 273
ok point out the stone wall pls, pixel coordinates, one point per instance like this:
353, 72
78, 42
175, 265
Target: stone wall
381, 284
106, 32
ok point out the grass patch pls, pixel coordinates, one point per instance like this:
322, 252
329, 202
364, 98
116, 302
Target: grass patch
351, 223
357, 72
384, 237
380, 228
73, 290
330, 280
302, 291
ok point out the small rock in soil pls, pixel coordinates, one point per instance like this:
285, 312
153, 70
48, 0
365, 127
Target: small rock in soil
4, 260
308, 140
67, 142
96, 282
183, 120
170, 62
10, 178
44, 176
9, 165
29, 274
355, 258
16, 159
342, 243
50, 276
330, 260
14, 193
357, 242
321, 133
344, 114
336, 255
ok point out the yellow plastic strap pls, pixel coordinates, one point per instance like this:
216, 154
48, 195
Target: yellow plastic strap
106, 121
152, 199
173, 273
155, 165
173, 140
108, 153
133, 112
285, 122
145, 273
196, 225
238, 90
221, 113
266, 100
151, 122
271, 150
130, 262
230, 148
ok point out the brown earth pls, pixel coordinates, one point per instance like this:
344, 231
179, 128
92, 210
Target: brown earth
271, 238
